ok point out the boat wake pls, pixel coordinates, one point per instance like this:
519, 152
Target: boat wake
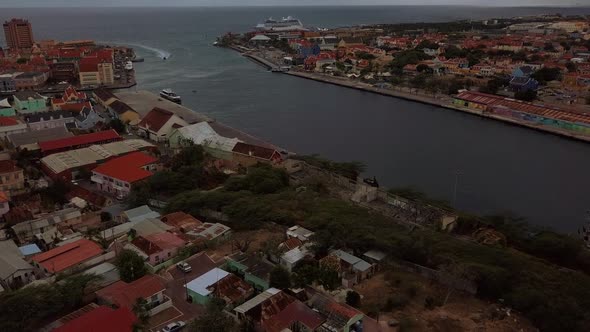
159, 52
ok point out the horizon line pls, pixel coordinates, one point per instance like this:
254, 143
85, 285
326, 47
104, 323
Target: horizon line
305, 5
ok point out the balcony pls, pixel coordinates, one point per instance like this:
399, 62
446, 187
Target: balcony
97, 179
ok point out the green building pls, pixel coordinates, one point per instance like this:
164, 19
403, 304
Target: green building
200, 288
29, 102
6, 109
252, 269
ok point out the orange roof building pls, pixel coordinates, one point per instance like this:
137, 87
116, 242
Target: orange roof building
124, 295
67, 256
117, 175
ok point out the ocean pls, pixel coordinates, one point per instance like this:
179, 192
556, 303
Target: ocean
504, 169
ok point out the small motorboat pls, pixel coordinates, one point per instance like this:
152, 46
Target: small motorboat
170, 95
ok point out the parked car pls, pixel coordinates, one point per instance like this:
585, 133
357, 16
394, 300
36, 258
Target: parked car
184, 267
173, 327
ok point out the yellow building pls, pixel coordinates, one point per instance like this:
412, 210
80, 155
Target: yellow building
105, 73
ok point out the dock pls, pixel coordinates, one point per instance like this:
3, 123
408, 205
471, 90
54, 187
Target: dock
263, 62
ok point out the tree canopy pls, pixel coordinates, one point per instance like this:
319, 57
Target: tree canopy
131, 266
280, 278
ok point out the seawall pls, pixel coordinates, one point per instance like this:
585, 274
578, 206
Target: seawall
432, 101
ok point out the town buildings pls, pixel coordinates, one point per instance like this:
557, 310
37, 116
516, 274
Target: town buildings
79, 141
12, 180
159, 123
98, 318
15, 271
124, 295
117, 176
18, 34
68, 257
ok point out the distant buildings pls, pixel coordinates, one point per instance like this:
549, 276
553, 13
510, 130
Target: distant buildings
18, 34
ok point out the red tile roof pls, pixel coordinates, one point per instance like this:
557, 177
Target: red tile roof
155, 243
166, 240
3, 197
254, 151
8, 166
101, 319
292, 243
89, 64
128, 167
75, 107
155, 119
71, 254
125, 294
6, 121
181, 220
80, 140
294, 312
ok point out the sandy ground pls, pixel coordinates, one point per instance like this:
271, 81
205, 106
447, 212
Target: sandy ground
257, 239
461, 312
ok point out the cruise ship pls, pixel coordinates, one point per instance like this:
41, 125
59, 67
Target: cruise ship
288, 23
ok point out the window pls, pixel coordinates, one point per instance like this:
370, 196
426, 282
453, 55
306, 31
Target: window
169, 254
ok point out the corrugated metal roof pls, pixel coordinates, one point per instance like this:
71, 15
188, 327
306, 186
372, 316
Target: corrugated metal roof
201, 284
203, 134
29, 249
258, 299
521, 106
60, 162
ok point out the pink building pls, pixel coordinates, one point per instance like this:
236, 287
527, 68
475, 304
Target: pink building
159, 247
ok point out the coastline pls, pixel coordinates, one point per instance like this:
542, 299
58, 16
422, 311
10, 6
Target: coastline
443, 101
433, 101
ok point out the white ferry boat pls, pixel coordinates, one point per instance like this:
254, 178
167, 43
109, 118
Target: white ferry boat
170, 95
288, 23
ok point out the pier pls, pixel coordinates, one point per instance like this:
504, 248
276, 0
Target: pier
262, 61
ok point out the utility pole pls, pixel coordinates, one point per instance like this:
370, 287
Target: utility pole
457, 174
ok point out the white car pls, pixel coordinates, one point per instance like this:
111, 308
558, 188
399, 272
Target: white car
184, 267
173, 327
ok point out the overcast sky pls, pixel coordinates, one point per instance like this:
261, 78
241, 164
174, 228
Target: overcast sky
161, 3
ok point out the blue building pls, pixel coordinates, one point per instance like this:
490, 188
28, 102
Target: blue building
523, 71
523, 84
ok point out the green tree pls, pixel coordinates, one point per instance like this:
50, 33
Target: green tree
214, 319
141, 311
106, 216
280, 278
422, 68
118, 125
329, 278
528, 95
546, 74
353, 299
131, 266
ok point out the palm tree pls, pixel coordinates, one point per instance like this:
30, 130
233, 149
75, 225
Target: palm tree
143, 316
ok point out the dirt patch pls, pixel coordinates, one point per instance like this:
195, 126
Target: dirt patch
254, 240
403, 296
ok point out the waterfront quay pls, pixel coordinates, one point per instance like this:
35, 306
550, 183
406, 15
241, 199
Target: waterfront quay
532, 72
50, 66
